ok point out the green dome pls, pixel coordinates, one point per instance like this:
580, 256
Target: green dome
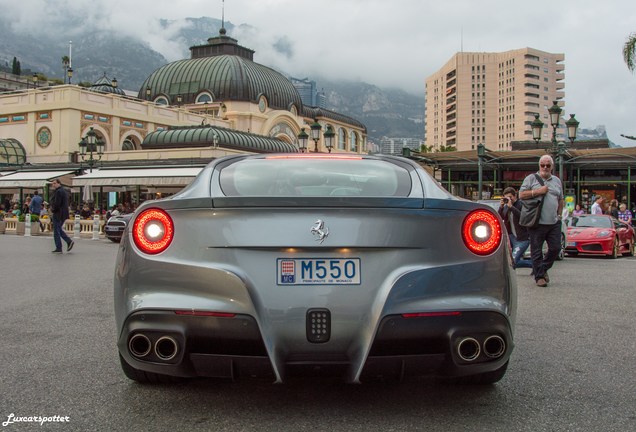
226, 78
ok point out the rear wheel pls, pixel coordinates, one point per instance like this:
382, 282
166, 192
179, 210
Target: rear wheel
144, 377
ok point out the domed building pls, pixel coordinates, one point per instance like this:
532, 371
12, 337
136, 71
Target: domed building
222, 79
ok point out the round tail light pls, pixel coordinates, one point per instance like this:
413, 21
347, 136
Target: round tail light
153, 231
481, 232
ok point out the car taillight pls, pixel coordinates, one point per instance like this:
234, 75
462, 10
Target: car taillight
153, 231
481, 232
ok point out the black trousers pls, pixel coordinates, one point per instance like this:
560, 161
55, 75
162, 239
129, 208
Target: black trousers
551, 234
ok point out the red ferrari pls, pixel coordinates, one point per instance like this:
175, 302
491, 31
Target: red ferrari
599, 235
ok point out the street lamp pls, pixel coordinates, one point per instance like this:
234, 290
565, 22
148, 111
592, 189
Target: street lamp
148, 93
315, 133
329, 137
179, 100
114, 81
557, 147
69, 74
91, 144
35, 80
302, 140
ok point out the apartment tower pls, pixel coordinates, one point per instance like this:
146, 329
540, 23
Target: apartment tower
491, 98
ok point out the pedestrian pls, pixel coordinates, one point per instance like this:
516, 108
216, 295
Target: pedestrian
59, 211
548, 229
510, 210
597, 207
613, 209
35, 207
624, 214
578, 211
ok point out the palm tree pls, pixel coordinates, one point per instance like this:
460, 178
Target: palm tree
629, 52
65, 62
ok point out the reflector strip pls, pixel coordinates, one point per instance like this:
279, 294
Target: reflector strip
430, 314
314, 156
205, 313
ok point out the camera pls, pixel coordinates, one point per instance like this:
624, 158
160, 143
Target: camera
505, 200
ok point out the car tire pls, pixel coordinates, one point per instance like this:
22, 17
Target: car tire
485, 378
144, 377
630, 249
561, 254
615, 247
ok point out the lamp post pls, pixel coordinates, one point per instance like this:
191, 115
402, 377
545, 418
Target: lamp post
69, 74
115, 83
558, 148
481, 152
302, 140
329, 137
315, 133
91, 144
179, 100
148, 93
35, 80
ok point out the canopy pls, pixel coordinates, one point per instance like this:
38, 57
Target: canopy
148, 177
33, 179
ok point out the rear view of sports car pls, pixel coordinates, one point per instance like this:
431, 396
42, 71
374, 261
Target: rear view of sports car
288, 264
599, 235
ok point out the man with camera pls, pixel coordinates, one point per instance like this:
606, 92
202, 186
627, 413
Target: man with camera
510, 210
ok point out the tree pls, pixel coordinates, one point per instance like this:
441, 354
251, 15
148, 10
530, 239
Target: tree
65, 63
15, 67
629, 52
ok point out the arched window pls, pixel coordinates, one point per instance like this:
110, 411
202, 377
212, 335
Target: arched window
128, 144
161, 100
203, 98
354, 141
342, 139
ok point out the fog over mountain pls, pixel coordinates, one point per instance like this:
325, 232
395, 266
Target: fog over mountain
129, 58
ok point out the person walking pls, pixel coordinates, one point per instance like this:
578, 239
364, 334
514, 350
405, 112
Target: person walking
35, 207
597, 207
59, 210
510, 210
549, 227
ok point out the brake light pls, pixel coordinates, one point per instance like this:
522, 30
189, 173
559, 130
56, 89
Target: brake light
430, 314
193, 312
153, 231
481, 232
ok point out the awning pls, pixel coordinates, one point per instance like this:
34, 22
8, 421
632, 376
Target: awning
148, 177
34, 179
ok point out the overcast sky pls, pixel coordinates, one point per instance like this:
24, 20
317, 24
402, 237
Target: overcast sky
393, 43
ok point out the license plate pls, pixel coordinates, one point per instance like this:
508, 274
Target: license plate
573, 244
318, 271
113, 229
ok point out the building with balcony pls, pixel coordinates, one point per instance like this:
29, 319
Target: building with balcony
491, 98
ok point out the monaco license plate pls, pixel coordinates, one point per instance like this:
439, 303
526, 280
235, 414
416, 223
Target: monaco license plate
570, 244
318, 271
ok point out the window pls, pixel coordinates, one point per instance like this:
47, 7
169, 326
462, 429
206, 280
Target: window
203, 98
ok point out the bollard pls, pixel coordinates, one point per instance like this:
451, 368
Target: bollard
96, 227
76, 227
27, 225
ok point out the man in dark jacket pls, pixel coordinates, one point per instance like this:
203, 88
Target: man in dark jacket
510, 210
59, 210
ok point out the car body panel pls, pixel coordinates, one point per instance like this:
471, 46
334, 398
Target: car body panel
223, 258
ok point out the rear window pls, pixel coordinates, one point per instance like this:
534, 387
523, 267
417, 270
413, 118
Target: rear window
315, 177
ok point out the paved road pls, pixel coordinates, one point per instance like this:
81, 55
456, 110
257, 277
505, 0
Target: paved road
573, 369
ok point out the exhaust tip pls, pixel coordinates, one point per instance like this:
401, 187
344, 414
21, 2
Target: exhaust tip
468, 349
166, 348
494, 346
139, 345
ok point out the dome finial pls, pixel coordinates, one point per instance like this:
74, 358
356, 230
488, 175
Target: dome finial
222, 30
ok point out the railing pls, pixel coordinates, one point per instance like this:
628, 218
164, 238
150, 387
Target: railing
86, 227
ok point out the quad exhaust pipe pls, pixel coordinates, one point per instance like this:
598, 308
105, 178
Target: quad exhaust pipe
469, 348
165, 348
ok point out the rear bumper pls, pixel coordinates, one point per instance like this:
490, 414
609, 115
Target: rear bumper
233, 347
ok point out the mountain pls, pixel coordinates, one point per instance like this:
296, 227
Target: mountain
385, 112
